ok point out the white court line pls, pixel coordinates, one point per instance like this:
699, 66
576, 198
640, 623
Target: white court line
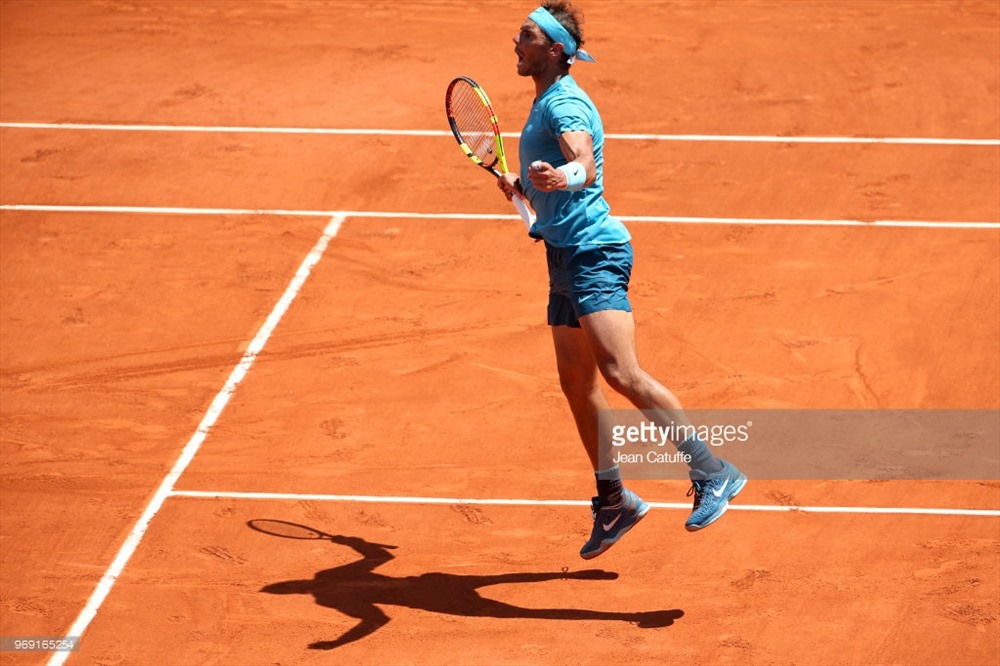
380, 499
167, 210
725, 138
128, 548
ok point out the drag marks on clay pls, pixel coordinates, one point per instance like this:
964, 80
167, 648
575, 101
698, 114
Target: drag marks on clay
374, 519
40, 155
471, 514
780, 498
969, 614
313, 511
751, 578
954, 586
25, 606
977, 547
543, 382
334, 428
870, 285
960, 587
223, 554
737, 643
48, 377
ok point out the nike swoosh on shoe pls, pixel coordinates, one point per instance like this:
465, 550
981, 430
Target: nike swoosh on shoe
718, 493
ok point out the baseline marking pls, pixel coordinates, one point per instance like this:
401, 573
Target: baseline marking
726, 138
153, 210
165, 490
379, 499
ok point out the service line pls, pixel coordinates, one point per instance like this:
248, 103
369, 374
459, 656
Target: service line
383, 499
724, 138
662, 219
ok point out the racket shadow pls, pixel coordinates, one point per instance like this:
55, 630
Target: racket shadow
358, 591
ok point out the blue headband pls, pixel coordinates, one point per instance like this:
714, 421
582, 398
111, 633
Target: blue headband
557, 33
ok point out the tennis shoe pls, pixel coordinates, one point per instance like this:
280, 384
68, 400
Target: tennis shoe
612, 522
712, 494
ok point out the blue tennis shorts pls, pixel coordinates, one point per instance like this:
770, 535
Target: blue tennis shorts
587, 279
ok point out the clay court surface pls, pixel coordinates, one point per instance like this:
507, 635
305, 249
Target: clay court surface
347, 330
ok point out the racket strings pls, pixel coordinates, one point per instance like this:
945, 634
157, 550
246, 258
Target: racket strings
474, 121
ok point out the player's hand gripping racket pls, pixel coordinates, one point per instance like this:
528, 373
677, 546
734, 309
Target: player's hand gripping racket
475, 127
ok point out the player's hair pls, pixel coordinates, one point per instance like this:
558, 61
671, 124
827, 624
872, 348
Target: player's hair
570, 17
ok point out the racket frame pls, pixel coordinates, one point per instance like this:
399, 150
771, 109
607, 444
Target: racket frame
517, 199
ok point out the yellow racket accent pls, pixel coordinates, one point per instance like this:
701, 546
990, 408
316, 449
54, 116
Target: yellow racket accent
477, 130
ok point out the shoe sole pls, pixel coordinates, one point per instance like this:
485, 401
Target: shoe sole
737, 487
607, 543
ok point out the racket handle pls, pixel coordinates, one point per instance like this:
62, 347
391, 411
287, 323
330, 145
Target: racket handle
522, 208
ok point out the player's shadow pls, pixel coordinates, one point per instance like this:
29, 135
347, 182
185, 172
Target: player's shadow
357, 591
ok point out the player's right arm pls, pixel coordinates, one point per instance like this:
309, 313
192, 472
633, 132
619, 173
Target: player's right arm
510, 184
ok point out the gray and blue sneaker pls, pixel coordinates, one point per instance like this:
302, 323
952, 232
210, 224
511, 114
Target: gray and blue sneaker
612, 522
712, 495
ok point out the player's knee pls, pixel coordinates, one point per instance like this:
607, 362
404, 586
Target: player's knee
626, 380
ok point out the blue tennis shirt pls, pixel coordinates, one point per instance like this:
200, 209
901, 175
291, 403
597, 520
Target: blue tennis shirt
567, 219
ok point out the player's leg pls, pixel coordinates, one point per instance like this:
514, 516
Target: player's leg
580, 383
615, 509
611, 334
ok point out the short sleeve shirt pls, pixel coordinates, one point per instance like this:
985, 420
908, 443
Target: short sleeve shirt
567, 219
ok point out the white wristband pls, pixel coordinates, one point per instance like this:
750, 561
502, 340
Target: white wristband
576, 176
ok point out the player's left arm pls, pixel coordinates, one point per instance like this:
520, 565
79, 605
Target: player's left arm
578, 148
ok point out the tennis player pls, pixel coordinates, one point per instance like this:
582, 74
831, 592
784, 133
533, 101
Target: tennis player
590, 262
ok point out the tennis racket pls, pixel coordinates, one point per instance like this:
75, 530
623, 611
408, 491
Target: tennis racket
474, 124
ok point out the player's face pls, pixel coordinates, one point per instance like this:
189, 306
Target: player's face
533, 49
